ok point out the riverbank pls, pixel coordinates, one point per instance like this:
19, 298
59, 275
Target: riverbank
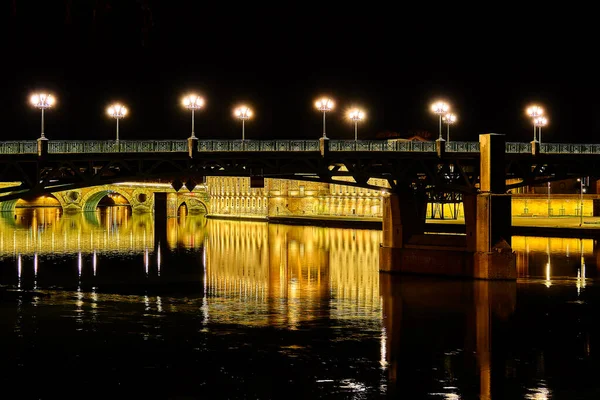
522, 226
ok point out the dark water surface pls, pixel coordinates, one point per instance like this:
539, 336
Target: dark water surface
98, 306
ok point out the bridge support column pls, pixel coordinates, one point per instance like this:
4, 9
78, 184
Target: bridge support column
324, 146
535, 147
161, 213
440, 147
192, 146
493, 257
42, 146
484, 253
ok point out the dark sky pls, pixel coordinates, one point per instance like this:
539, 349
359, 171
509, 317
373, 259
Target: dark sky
488, 62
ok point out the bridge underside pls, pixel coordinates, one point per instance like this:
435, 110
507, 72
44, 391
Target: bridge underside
442, 172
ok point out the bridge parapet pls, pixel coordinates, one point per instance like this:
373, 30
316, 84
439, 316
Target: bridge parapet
173, 146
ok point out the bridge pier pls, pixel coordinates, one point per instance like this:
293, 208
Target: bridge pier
42, 147
161, 213
483, 253
192, 146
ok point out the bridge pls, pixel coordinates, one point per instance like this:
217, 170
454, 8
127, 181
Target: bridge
45, 166
482, 171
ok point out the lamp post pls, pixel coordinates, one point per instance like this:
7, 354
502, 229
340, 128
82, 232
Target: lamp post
449, 119
356, 115
117, 111
243, 113
581, 190
534, 112
539, 122
440, 108
193, 102
549, 207
42, 101
324, 104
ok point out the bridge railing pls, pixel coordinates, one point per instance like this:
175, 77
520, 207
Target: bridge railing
562, 148
462, 147
112, 146
18, 147
258, 145
163, 146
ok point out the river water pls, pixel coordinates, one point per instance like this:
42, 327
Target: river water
95, 305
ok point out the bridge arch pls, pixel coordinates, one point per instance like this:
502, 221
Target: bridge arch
92, 198
8, 206
194, 206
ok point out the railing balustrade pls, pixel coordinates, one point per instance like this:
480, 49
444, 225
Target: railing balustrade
168, 146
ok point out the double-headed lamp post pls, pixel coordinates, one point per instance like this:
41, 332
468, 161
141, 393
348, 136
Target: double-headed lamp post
243, 113
440, 108
356, 116
534, 112
449, 119
324, 104
42, 101
539, 122
117, 111
193, 102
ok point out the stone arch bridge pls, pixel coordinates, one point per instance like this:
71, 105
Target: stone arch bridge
139, 196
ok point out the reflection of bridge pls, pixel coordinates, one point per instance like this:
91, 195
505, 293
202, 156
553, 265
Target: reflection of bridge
46, 231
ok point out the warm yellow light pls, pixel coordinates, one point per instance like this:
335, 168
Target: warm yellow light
116, 111
324, 104
440, 107
356, 114
42, 100
193, 102
449, 118
243, 112
540, 121
535, 111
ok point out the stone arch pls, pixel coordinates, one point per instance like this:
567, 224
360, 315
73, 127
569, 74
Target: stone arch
8, 206
194, 205
92, 198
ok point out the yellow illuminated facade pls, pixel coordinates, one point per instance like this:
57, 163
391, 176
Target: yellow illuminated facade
233, 196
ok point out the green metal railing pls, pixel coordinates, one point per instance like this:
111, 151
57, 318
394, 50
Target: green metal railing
167, 146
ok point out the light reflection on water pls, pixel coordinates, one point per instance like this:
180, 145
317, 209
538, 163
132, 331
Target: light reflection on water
250, 309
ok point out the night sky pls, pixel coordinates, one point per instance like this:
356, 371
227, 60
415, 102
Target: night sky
489, 64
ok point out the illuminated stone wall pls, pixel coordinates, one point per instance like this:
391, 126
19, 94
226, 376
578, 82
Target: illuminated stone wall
232, 196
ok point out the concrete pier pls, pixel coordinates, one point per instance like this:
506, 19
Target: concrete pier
483, 253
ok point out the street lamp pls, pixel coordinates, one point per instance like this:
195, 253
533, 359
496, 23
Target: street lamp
356, 115
324, 104
440, 108
534, 112
243, 113
193, 102
539, 122
581, 191
449, 119
42, 101
117, 111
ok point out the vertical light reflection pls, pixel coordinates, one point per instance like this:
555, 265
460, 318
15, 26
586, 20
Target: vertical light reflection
158, 259
19, 270
146, 260
79, 266
383, 361
94, 261
159, 304
548, 282
204, 299
581, 270
35, 269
